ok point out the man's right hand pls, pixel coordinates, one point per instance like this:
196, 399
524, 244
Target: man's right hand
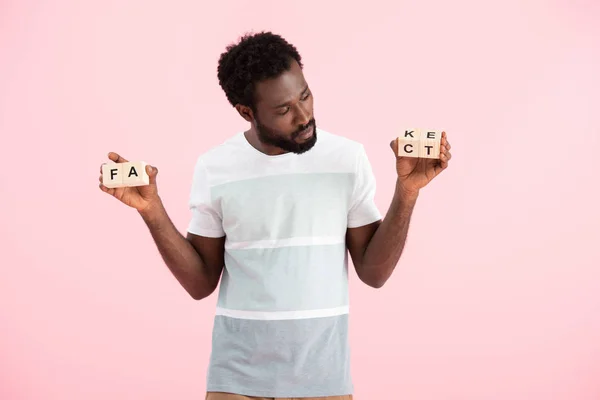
142, 198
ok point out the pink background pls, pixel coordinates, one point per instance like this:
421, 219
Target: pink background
497, 295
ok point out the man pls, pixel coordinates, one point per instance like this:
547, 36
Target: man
275, 211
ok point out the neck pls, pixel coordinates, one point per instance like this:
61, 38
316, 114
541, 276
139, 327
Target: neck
252, 137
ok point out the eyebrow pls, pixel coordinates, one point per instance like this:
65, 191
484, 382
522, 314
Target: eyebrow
288, 102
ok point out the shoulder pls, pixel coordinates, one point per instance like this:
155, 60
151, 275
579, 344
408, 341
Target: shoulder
223, 153
339, 149
338, 142
219, 160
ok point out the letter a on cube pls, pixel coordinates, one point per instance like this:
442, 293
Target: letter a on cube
134, 174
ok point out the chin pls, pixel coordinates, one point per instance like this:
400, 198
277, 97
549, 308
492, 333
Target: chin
306, 145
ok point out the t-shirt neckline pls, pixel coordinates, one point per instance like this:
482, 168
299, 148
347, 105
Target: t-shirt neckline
259, 153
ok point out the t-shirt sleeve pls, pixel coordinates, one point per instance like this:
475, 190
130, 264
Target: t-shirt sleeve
363, 210
206, 220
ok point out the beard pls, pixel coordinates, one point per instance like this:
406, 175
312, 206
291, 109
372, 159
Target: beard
268, 137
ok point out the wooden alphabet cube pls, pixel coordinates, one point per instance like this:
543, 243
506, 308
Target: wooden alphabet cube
134, 174
421, 143
127, 174
112, 175
429, 144
408, 143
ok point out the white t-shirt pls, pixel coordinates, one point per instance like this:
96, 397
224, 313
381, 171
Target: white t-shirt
281, 324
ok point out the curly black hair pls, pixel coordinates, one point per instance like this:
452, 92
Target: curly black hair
256, 57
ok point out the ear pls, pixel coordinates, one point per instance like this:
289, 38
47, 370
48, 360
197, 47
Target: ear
245, 112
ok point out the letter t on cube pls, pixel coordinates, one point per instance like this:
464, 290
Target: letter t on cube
430, 142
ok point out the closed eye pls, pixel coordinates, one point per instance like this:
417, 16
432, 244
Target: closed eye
285, 109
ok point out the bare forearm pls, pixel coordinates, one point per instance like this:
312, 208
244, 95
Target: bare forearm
177, 252
387, 244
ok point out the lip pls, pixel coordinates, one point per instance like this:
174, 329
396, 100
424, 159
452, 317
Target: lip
306, 133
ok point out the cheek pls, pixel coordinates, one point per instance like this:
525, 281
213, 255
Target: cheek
284, 124
310, 105
279, 125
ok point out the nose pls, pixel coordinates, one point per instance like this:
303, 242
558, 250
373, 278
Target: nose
302, 116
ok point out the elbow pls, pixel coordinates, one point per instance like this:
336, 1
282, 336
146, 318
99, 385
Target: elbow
201, 293
198, 295
374, 275
376, 281
202, 288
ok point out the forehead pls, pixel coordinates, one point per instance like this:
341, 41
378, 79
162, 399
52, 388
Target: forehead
281, 89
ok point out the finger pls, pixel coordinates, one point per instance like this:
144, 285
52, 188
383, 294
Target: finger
116, 157
101, 165
110, 191
104, 188
394, 146
443, 163
152, 172
445, 140
445, 149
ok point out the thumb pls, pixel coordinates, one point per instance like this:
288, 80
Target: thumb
152, 172
394, 146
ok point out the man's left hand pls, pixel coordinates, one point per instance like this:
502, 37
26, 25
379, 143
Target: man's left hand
414, 173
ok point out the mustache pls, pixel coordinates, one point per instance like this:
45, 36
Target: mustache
311, 123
